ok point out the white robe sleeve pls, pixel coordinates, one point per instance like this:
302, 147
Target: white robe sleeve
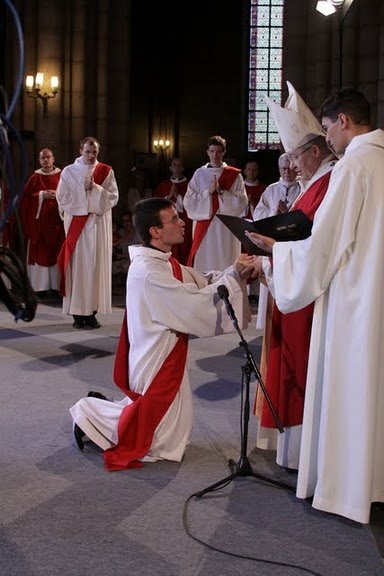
197, 200
105, 196
304, 269
234, 201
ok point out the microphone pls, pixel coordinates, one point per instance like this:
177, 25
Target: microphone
224, 295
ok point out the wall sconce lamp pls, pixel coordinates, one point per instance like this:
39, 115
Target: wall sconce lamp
161, 144
34, 89
328, 7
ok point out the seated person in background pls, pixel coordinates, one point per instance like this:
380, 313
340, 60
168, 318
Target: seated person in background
165, 303
174, 188
126, 236
139, 188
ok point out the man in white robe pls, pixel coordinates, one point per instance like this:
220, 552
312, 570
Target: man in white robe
86, 194
277, 198
341, 267
215, 188
165, 303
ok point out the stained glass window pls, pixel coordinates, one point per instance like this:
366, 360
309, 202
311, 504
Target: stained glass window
265, 70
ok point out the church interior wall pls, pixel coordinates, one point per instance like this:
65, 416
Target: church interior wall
132, 70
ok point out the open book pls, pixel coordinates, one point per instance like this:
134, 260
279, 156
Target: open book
293, 225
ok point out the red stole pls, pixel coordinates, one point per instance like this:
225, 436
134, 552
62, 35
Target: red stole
75, 229
139, 420
254, 194
227, 178
290, 339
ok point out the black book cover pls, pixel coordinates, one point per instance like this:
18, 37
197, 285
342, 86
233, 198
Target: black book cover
293, 225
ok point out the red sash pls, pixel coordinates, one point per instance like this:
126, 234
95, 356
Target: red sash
227, 178
139, 420
75, 229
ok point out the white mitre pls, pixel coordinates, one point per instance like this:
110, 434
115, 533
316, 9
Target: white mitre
295, 123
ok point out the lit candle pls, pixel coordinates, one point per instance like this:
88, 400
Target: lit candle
39, 80
54, 82
29, 83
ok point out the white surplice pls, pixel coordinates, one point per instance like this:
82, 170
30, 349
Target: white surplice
341, 267
160, 306
219, 247
88, 282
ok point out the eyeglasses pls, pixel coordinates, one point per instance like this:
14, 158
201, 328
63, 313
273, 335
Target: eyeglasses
294, 157
174, 220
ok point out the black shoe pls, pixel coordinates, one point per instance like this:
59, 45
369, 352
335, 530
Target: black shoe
78, 322
93, 394
53, 294
91, 322
42, 294
79, 435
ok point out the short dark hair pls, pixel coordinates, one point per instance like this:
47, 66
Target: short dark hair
217, 141
146, 213
90, 140
350, 102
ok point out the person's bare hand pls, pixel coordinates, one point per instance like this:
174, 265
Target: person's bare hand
49, 194
263, 242
282, 207
172, 193
244, 265
88, 183
257, 268
214, 187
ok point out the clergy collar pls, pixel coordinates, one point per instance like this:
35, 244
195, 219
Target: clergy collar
288, 184
251, 183
178, 178
149, 245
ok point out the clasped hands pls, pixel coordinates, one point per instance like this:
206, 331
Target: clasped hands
214, 187
49, 194
249, 266
88, 183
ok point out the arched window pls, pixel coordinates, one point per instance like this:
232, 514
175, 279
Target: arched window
265, 70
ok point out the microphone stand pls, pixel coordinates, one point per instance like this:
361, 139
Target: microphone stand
243, 466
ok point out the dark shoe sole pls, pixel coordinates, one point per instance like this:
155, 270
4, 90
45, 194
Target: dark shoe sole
79, 435
91, 322
99, 395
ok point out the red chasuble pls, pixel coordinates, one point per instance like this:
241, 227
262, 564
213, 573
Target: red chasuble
139, 420
290, 339
75, 229
46, 233
227, 178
